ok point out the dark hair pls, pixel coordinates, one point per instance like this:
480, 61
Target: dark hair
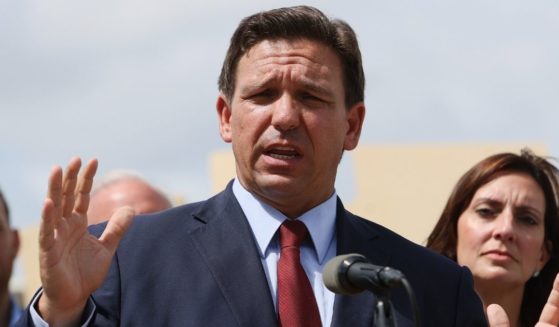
301, 22
443, 238
6, 209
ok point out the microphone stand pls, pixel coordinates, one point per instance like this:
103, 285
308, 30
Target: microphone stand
383, 310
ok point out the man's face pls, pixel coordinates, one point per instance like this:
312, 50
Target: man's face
9, 245
288, 123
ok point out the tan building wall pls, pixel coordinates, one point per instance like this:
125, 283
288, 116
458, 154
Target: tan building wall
405, 187
29, 258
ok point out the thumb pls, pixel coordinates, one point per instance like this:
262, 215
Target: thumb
497, 316
116, 228
550, 312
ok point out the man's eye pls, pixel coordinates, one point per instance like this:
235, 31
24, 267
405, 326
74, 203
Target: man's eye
312, 99
259, 97
266, 93
309, 96
263, 96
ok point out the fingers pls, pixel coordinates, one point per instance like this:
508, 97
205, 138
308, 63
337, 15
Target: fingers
52, 209
497, 316
550, 312
54, 192
61, 197
48, 223
116, 228
84, 187
69, 186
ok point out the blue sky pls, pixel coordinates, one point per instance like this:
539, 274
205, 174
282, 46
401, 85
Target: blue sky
133, 83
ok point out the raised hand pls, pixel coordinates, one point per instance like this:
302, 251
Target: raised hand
550, 312
549, 317
73, 263
497, 316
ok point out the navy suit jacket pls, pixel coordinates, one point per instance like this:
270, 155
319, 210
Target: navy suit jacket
198, 265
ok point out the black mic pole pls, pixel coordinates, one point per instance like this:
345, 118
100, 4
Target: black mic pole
352, 273
383, 311
384, 316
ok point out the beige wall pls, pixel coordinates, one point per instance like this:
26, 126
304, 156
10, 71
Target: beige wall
29, 258
405, 187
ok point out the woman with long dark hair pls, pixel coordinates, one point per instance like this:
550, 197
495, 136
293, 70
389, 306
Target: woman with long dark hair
502, 221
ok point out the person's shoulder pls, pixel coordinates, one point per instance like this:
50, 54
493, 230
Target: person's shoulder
186, 215
400, 248
441, 286
179, 217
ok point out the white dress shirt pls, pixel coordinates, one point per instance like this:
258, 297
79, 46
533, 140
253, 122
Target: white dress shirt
320, 221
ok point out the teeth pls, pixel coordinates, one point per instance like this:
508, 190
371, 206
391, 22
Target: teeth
283, 148
283, 152
281, 156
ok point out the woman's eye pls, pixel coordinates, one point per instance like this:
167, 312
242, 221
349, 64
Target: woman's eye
528, 220
485, 212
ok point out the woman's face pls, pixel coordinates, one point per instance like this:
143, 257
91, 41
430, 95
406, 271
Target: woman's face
501, 233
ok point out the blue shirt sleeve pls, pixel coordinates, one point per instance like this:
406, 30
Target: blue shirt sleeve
39, 322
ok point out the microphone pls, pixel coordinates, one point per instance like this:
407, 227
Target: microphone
352, 273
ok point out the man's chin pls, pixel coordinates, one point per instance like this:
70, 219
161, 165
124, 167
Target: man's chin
279, 184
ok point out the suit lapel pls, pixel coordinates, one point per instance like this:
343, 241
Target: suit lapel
355, 237
237, 269
233, 261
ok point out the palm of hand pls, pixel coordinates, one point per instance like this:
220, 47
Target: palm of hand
74, 263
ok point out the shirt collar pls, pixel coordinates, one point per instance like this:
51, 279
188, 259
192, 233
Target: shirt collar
15, 312
265, 220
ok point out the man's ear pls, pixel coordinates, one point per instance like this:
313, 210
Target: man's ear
224, 114
355, 118
15, 243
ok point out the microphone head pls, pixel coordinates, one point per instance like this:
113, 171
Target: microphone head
334, 274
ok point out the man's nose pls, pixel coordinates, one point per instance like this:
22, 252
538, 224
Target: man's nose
285, 114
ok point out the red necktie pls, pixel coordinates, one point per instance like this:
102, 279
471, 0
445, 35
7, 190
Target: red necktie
296, 302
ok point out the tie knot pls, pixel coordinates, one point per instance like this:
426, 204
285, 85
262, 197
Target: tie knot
292, 233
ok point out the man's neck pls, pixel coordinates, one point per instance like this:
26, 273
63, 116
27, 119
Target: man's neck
292, 205
4, 308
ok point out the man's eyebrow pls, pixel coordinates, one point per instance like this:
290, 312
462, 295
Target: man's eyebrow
307, 84
314, 87
256, 85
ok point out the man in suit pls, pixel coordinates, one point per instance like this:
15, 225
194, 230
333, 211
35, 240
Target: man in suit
290, 103
9, 246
